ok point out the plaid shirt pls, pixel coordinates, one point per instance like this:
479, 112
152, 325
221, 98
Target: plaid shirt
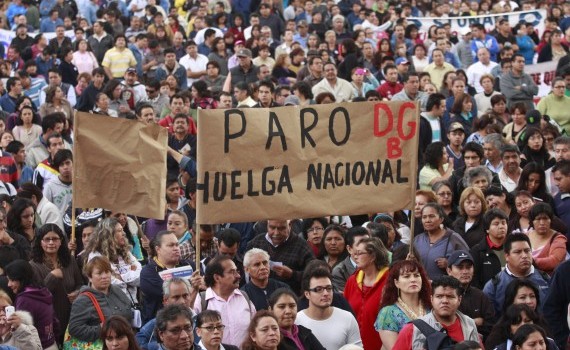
188, 250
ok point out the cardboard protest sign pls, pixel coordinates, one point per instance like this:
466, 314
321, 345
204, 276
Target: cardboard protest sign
120, 165
299, 162
534, 17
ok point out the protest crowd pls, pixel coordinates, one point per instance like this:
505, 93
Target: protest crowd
480, 262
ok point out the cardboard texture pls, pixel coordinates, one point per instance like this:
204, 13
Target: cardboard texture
119, 165
294, 162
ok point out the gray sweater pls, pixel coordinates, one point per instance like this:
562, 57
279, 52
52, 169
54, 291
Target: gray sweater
525, 94
84, 322
464, 53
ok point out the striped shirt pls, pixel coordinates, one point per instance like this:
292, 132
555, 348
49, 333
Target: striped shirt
119, 61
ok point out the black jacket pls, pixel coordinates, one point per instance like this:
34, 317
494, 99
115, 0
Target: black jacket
68, 72
426, 138
475, 232
86, 101
555, 307
486, 263
307, 338
475, 304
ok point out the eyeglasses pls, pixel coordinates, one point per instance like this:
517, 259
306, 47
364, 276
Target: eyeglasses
214, 328
178, 330
560, 87
315, 229
444, 194
358, 253
51, 239
320, 289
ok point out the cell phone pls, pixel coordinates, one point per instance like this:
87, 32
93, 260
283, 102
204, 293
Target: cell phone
9, 310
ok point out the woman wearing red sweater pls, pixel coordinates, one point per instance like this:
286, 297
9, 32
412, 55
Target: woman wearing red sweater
364, 288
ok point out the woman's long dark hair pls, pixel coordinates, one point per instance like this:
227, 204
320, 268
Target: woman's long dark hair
534, 168
121, 328
63, 253
13, 220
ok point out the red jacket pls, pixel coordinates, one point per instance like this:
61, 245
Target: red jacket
366, 306
388, 90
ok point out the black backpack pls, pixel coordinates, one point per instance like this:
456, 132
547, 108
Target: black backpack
435, 340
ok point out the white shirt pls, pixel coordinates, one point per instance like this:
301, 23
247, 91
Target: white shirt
342, 90
476, 70
141, 4
194, 64
343, 323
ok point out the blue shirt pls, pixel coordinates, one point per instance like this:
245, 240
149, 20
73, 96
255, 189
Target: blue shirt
14, 10
48, 26
8, 103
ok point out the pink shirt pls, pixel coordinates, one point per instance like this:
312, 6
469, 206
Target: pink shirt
232, 311
85, 62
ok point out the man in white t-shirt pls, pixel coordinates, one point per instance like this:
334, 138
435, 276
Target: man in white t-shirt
332, 326
484, 65
194, 62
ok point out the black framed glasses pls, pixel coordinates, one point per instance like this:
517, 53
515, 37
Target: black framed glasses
219, 327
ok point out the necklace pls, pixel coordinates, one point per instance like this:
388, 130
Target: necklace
409, 311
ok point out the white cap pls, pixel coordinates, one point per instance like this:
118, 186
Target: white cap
465, 30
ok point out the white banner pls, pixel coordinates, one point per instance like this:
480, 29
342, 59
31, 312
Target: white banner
542, 74
535, 17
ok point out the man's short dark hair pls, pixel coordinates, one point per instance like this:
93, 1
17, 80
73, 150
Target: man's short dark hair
314, 271
492, 214
14, 147
213, 268
176, 96
142, 105
387, 67
11, 83
98, 71
517, 55
171, 313
230, 237
49, 122
61, 156
168, 50
354, 232
446, 282
180, 116
408, 75
508, 148
209, 32
434, 100
515, 237
268, 84
563, 167
474, 147
243, 86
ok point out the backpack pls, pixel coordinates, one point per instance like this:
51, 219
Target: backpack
435, 340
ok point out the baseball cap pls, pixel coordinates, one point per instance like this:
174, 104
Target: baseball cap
459, 256
456, 126
302, 23
292, 100
465, 30
244, 53
131, 70
402, 60
240, 42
